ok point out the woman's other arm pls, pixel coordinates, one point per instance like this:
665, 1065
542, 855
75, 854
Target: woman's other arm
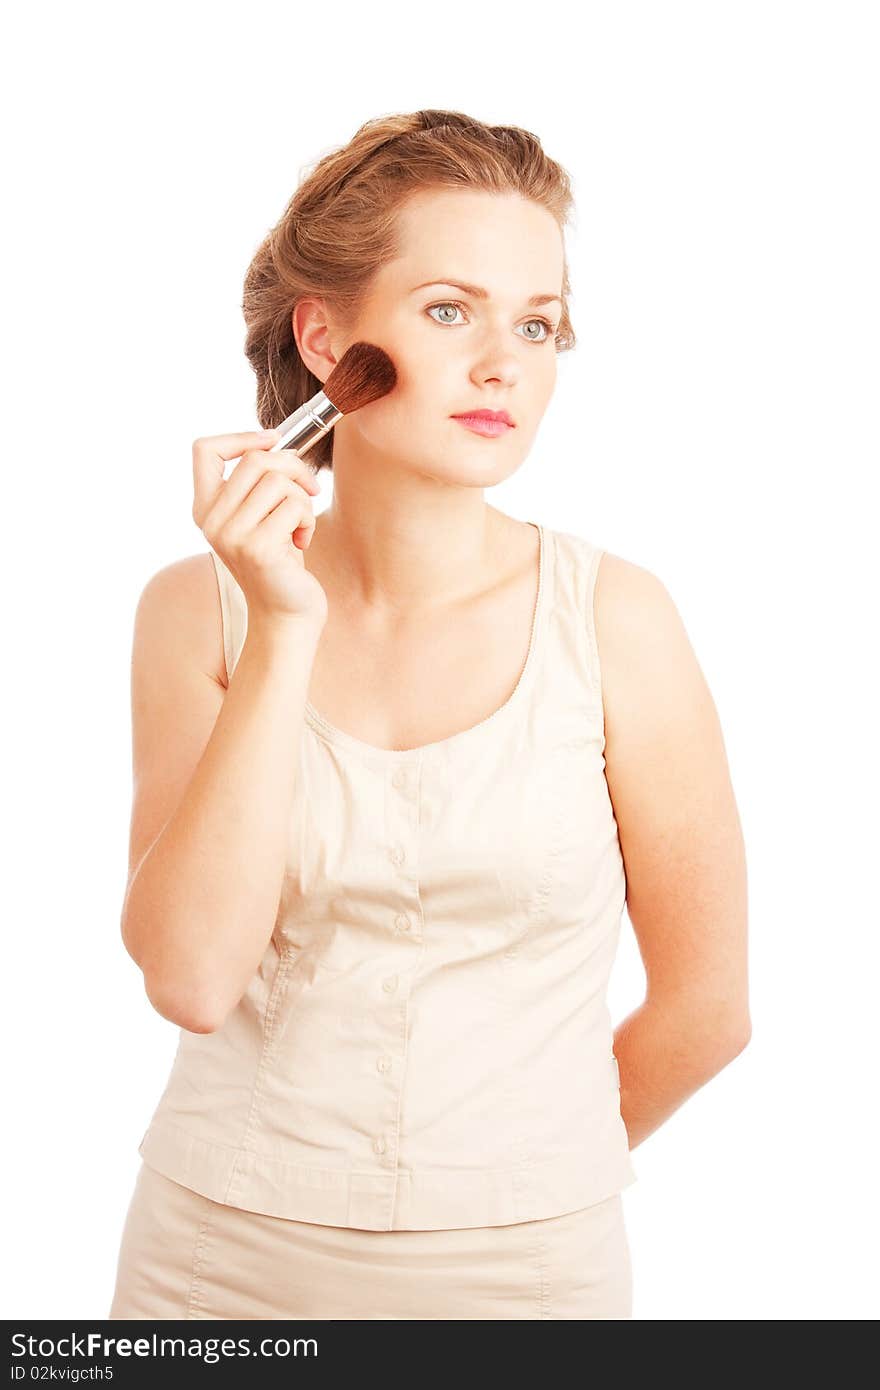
682, 846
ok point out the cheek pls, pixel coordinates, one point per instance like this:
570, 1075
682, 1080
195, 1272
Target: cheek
545, 379
420, 394
388, 424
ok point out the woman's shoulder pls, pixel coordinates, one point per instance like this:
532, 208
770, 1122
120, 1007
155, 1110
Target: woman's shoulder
648, 665
630, 600
628, 610
612, 577
185, 594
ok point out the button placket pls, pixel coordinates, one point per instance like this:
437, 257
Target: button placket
401, 847
402, 823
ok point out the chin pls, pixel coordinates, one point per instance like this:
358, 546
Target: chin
475, 472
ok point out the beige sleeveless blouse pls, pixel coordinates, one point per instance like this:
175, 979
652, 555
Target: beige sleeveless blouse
426, 1043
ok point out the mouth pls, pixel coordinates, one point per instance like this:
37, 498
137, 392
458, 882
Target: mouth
486, 422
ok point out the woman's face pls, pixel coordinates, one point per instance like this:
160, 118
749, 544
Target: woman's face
455, 350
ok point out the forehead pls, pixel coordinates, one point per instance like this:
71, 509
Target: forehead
489, 239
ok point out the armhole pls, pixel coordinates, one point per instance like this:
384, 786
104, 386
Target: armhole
225, 613
593, 561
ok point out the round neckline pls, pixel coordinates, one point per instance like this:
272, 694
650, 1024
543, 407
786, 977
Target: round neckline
330, 732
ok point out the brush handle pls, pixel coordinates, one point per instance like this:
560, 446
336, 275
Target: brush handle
308, 424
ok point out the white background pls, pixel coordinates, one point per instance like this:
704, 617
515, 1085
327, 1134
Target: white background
717, 424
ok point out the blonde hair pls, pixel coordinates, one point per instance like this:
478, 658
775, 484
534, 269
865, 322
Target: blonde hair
339, 228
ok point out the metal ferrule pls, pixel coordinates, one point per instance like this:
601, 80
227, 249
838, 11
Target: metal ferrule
308, 424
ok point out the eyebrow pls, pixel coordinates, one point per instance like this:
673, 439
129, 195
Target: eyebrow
479, 293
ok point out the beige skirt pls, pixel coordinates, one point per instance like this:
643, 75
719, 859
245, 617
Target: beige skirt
183, 1255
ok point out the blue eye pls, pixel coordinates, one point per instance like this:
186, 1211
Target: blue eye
549, 336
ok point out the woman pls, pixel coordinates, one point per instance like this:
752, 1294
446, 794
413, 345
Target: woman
382, 757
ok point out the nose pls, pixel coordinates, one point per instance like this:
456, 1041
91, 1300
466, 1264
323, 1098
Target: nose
495, 360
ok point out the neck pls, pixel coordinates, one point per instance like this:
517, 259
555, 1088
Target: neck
403, 545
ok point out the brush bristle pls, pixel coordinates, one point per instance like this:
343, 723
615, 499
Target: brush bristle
363, 373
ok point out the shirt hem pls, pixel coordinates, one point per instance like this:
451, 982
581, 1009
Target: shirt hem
397, 1199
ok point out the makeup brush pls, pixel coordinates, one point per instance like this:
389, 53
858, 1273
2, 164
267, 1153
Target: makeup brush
363, 374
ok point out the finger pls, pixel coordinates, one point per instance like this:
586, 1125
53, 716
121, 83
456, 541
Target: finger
250, 478
288, 520
273, 488
212, 453
209, 457
255, 462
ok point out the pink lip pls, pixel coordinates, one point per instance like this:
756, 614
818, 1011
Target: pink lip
487, 422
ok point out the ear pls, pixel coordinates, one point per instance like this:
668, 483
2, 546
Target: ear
312, 330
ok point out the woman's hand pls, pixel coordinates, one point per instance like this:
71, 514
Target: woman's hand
259, 521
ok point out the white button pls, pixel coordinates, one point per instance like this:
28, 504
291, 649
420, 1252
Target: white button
396, 854
379, 1145
401, 922
390, 984
400, 778
383, 1062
